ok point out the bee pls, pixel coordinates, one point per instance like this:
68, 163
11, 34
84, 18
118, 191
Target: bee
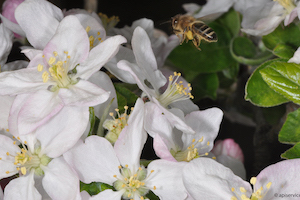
188, 28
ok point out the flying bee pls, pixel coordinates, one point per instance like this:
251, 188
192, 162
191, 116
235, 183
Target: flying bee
188, 28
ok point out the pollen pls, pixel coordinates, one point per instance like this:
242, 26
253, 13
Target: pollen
176, 91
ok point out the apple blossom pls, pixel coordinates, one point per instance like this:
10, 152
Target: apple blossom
186, 147
96, 160
150, 80
210, 180
263, 19
56, 80
40, 175
6, 44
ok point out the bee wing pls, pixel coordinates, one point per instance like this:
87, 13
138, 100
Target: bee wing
209, 18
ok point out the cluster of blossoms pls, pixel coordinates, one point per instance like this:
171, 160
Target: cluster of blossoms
46, 145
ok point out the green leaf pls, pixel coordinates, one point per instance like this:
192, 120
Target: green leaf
232, 71
259, 93
232, 21
125, 96
290, 131
152, 196
284, 51
213, 57
205, 85
244, 51
94, 187
284, 78
287, 35
292, 153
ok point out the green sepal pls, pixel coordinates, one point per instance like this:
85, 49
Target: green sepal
292, 153
284, 78
92, 119
259, 93
152, 196
290, 131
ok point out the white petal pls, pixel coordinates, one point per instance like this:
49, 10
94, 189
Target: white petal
83, 93
16, 28
296, 57
162, 148
6, 43
284, 177
5, 105
15, 65
167, 178
235, 165
21, 81
108, 195
131, 141
70, 39
60, 182
206, 124
102, 80
206, 178
39, 20
215, 6
94, 160
63, 130
22, 188
37, 110
99, 55
30, 53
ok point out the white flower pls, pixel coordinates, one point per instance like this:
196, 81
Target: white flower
41, 174
96, 160
263, 19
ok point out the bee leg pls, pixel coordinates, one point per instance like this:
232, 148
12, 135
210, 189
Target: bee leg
196, 42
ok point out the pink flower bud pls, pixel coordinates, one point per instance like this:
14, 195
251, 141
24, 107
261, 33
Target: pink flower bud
8, 11
228, 147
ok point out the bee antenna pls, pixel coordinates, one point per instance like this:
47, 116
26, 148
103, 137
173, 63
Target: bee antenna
169, 21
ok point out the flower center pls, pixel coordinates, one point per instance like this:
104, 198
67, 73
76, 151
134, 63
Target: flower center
256, 195
289, 5
94, 38
190, 153
108, 23
57, 71
175, 91
133, 184
26, 160
116, 125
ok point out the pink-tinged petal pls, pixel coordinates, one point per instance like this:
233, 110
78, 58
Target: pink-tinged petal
22, 188
145, 58
30, 53
102, 80
124, 53
206, 124
290, 18
108, 195
63, 130
60, 181
206, 178
16, 28
131, 141
9, 7
21, 81
235, 165
1, 193
228, 147
100, 55
5, 105
167, 178
70, 39
14, 113
39, 20
94, 160
37, 110
284, 177
15, 65
161, 148
83, 93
